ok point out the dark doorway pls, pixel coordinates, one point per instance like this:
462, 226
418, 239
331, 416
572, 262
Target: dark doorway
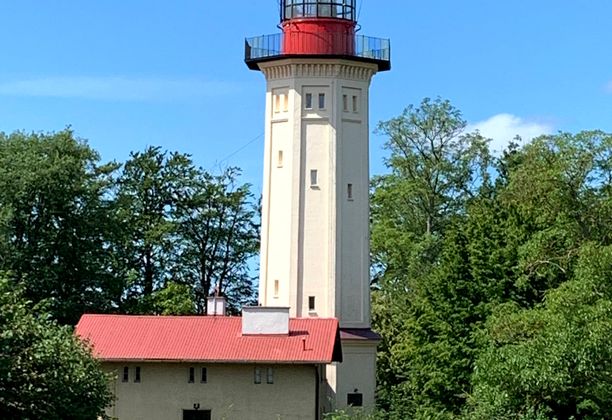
196, 414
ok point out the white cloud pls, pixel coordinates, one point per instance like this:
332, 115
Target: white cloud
502, 128
116, 88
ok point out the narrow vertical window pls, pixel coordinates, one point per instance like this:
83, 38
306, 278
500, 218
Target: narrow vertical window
313, 177
270, 375
276, 104
345, 103
279, 161
349, 191
321, 101
126, 374
137, 374
355, 104
191, 375
276, 287
308, 101
257, 376
286, 103
204, 377
311, 303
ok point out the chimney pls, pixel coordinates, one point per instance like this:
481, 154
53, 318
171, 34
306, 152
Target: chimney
216, 306
262, 320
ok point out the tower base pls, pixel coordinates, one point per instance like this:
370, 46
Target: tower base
353, 382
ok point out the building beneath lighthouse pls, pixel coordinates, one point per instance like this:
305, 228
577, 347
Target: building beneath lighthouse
315, 208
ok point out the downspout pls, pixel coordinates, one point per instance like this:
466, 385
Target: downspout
317, 391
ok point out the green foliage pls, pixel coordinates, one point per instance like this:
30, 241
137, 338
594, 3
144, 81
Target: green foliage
155, 235
45, 372
354, 414
483, 295
55, 218
554, 359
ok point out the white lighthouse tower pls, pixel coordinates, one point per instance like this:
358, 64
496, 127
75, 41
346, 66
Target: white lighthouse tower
315, 210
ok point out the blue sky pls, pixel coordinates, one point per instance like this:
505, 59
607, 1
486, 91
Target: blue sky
130, 73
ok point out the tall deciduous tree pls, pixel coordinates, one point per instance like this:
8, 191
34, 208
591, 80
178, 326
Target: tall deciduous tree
219, 235
55, 220
152, 185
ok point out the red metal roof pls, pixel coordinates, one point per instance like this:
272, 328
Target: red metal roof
207, 339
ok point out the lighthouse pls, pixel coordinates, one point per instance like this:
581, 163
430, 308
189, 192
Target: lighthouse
315, 209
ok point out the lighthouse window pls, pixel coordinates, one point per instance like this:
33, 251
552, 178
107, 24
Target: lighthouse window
355, 104
313, 177
311, 303
276, 287
349, 192
321, 101
277, 106
308, 101
345, 103
279, 163
285, 103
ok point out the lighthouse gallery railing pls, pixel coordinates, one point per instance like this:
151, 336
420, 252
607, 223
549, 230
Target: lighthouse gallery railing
264, 47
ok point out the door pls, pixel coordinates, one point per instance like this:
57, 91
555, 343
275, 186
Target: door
196, 414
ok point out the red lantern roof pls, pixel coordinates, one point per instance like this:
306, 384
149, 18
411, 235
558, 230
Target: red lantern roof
207, 339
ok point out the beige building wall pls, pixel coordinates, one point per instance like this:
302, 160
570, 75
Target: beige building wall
230, 392
315, 209
315, 227
357, 373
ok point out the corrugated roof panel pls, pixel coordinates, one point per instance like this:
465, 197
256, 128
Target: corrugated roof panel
212, 339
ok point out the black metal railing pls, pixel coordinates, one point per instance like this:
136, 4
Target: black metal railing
265, 47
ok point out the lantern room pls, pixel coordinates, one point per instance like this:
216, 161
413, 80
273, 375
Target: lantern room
299, 9
318, 28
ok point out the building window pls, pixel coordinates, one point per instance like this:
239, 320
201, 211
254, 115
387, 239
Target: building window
279, 162
285, 103
276, 287
137, 374
277, 106
308, 101
355, 399
314, 175
321, 101
349, 191
311, 303
355, 104
126, 374
191, 375
204, 377
270, 375
257, 376
345, 103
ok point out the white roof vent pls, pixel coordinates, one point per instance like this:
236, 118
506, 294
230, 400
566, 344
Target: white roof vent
216, 306
261, 320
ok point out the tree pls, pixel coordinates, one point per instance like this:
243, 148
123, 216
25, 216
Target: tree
436, 169
55, 222
218, 237
152, 185
483, 316
552, 361
45, 372
183, 227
